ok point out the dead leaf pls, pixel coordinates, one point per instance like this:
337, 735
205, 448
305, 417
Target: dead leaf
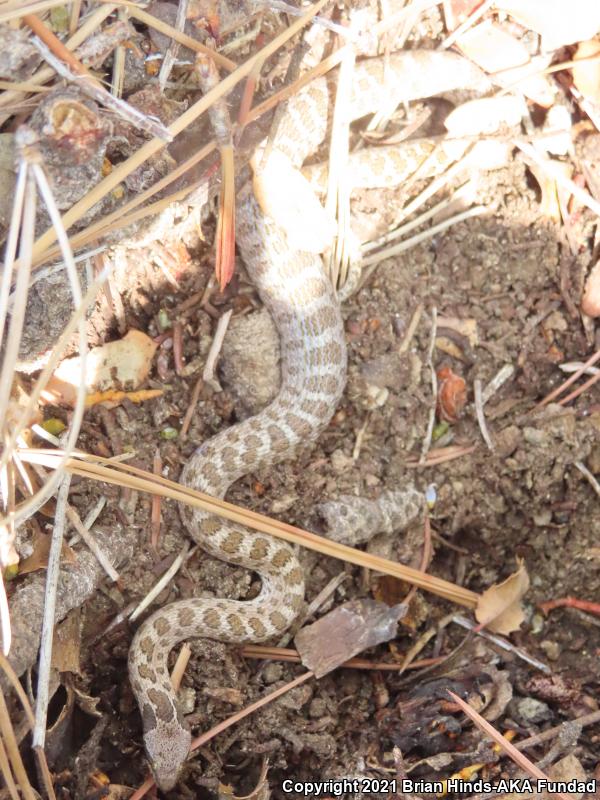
499, 608
121, 365
67, 644
346, 631
39, 557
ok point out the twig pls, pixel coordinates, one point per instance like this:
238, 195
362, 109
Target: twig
31, 160
160, 584
180, 667
208, 375
399, 231
588, 476
173, 48
91, 542
497, 640
156, 504
468, 23
496, 382
187, 419
480, 414
104, 98
291, 655
434, 387
41, 703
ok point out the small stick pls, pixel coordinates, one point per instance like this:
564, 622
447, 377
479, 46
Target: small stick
173, 48
156, 504
292, 655
511, 751
191, 408
434, 388
160, 584
208, 376
496, 382
90, 541
588, 476
497, 640
480, 414
180, 667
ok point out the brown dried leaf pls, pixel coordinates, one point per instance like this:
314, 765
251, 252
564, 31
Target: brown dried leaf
120, 365
559, 23
67, 644
346, 631
499, 608
39, 557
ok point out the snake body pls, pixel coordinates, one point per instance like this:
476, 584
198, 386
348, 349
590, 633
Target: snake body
304, 307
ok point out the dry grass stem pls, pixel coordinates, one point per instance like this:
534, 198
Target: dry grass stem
100, 469
18, 9
376, 258
570, 381
291, 655
52, 572
43, 75
468, 23
337, 203
553, 171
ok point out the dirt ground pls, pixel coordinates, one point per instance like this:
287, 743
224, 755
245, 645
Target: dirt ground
511, 274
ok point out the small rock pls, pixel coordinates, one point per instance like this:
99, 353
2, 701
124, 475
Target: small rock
533, 711
551, 649
341, 462
317, 708
272, 672
186, 697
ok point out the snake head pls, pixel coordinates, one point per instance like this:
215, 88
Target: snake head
167, 747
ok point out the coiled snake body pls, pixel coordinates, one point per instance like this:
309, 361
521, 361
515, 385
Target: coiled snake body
299, 296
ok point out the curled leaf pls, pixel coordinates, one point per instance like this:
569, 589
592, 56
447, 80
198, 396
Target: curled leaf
499, 608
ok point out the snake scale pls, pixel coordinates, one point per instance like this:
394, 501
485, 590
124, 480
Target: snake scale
292, 285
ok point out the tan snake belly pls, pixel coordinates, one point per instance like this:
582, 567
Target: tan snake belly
294, 288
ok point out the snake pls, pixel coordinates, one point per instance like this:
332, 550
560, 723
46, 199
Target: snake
306, 311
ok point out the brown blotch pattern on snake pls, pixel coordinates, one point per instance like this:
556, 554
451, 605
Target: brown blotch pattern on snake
161, 626
162, 705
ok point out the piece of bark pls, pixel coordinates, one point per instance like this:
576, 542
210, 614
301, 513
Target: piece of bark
345, 632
